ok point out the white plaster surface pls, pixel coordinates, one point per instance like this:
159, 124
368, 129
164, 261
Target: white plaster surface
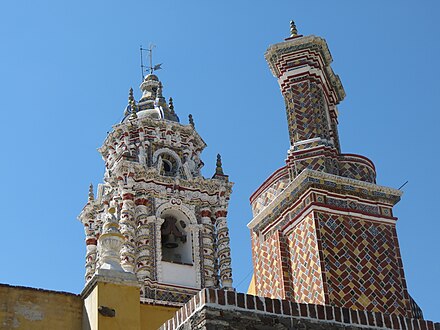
184, 275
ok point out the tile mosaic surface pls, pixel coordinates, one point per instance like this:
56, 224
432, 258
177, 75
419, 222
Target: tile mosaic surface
305, 263
362, 264
268, 267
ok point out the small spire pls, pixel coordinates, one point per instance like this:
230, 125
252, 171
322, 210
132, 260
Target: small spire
133, 109
91, 195
171, 106
159, 91
191, 120
130, 99
293, 30
219, 168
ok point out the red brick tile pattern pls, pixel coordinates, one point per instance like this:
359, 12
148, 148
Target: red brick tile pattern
305, 264
361, 264
268, 268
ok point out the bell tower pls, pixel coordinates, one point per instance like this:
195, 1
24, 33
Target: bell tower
169, 219
323, 232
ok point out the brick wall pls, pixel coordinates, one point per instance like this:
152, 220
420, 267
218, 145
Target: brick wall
362, 264
218, 309
269, 280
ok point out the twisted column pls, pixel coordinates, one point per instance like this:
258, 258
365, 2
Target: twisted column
91, 248
127, 224
223, 248
88, 218
208, 247
158, 246
144, 243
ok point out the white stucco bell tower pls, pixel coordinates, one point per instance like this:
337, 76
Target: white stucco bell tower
173, 220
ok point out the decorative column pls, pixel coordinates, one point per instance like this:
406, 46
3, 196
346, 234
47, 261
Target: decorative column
158, 226
128, 230
224, 250
88, 219
208, 247
195, 231
91, 251
144, 243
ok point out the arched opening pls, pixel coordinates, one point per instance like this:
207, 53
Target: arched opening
167, 162
176, 240
169, 165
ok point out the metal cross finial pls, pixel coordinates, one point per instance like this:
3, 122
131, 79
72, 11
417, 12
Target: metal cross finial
152, 67
293, 30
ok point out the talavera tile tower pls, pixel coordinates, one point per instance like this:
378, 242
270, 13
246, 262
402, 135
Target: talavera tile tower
323, 232
169, 222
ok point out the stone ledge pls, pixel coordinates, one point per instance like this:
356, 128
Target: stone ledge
220, 300
109, 276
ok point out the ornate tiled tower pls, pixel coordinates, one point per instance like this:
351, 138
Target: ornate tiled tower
323, 231
171, 219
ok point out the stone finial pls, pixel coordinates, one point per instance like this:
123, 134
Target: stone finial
91, 195
130, 100
219, 168
191, 120
293, 30
171, 105
110, 242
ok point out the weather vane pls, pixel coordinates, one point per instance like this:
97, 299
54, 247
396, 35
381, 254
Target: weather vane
150, 68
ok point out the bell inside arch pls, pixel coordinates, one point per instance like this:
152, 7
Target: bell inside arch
171, 242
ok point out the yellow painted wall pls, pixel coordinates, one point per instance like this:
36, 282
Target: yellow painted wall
251, 288
124, 299
90, 313
130, 313
153, 316
28, 308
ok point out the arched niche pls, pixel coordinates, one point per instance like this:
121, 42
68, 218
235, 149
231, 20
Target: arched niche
176, 238
181, 265
167, 161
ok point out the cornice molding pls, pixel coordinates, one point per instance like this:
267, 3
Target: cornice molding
309, 178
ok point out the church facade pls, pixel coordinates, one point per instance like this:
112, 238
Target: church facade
324, 242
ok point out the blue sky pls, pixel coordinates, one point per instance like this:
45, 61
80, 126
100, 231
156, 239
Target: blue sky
66, 68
